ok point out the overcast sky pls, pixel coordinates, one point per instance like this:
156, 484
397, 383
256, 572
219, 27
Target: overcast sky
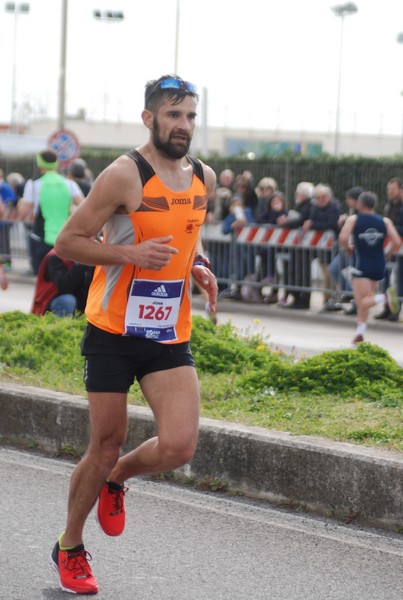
265, 64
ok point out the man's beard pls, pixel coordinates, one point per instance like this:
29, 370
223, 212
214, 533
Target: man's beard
170, 149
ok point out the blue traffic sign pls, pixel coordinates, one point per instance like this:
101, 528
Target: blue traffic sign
65, 144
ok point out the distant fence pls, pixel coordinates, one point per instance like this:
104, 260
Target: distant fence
341, 174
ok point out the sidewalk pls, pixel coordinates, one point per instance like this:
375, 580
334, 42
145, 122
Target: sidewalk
20, 270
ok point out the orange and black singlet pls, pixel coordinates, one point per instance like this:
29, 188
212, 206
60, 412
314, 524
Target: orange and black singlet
130, 300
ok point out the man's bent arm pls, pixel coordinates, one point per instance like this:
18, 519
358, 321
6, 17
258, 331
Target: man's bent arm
117, 189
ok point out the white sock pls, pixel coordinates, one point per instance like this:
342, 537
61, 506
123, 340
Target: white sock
379, 298
361, 327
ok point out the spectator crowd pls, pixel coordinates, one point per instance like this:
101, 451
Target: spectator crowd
282, 273
275, 274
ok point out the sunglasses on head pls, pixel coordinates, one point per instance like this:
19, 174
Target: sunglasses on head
176, 83
173, 83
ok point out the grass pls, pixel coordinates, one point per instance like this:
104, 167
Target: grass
353, 395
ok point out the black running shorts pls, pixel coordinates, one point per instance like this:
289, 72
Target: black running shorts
113, 361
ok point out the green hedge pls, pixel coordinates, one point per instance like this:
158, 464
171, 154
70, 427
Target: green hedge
340, 173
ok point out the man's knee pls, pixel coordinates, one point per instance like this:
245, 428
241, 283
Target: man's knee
106, 451
178, 452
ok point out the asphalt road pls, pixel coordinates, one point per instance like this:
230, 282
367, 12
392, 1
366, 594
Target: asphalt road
180, 544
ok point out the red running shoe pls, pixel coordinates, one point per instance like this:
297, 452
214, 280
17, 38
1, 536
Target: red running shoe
75, 573
357, 340
111, 508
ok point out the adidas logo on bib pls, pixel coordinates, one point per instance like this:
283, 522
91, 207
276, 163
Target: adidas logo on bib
160, 292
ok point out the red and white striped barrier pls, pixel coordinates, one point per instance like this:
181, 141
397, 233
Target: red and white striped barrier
278, 236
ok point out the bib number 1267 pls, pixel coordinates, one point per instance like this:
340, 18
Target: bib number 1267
160, 313
152, 309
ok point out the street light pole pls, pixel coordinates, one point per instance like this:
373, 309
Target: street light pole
16, 10
341, 10
399, 40
107, 16
62, 72
204, 127
177, 36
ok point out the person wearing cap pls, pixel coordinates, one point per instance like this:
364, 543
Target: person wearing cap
150, 205
51, 198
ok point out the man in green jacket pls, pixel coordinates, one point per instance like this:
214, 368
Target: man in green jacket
51, 198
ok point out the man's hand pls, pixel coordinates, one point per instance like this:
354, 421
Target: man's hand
153, 253
350, 249
207, 281
282, 220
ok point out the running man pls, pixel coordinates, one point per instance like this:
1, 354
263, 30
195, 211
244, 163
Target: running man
364, 236
150, 205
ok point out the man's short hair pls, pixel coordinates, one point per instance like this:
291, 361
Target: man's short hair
48, 156
155, 93
47, 160
396, 180
77, 169
322, 189
354, 192
368, 199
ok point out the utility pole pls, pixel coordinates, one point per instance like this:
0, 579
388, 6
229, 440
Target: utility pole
62, 71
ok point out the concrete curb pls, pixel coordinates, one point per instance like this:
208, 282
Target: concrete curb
331, 478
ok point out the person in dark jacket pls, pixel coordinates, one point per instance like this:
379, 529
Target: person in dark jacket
76, 172
324, 216
61, 286
393, 210
297, 271
325, 211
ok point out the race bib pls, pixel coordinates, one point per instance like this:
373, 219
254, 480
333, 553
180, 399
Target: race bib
153, 308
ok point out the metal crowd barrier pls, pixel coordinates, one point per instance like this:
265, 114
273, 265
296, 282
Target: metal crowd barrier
263, 257
268, 258
14, 236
